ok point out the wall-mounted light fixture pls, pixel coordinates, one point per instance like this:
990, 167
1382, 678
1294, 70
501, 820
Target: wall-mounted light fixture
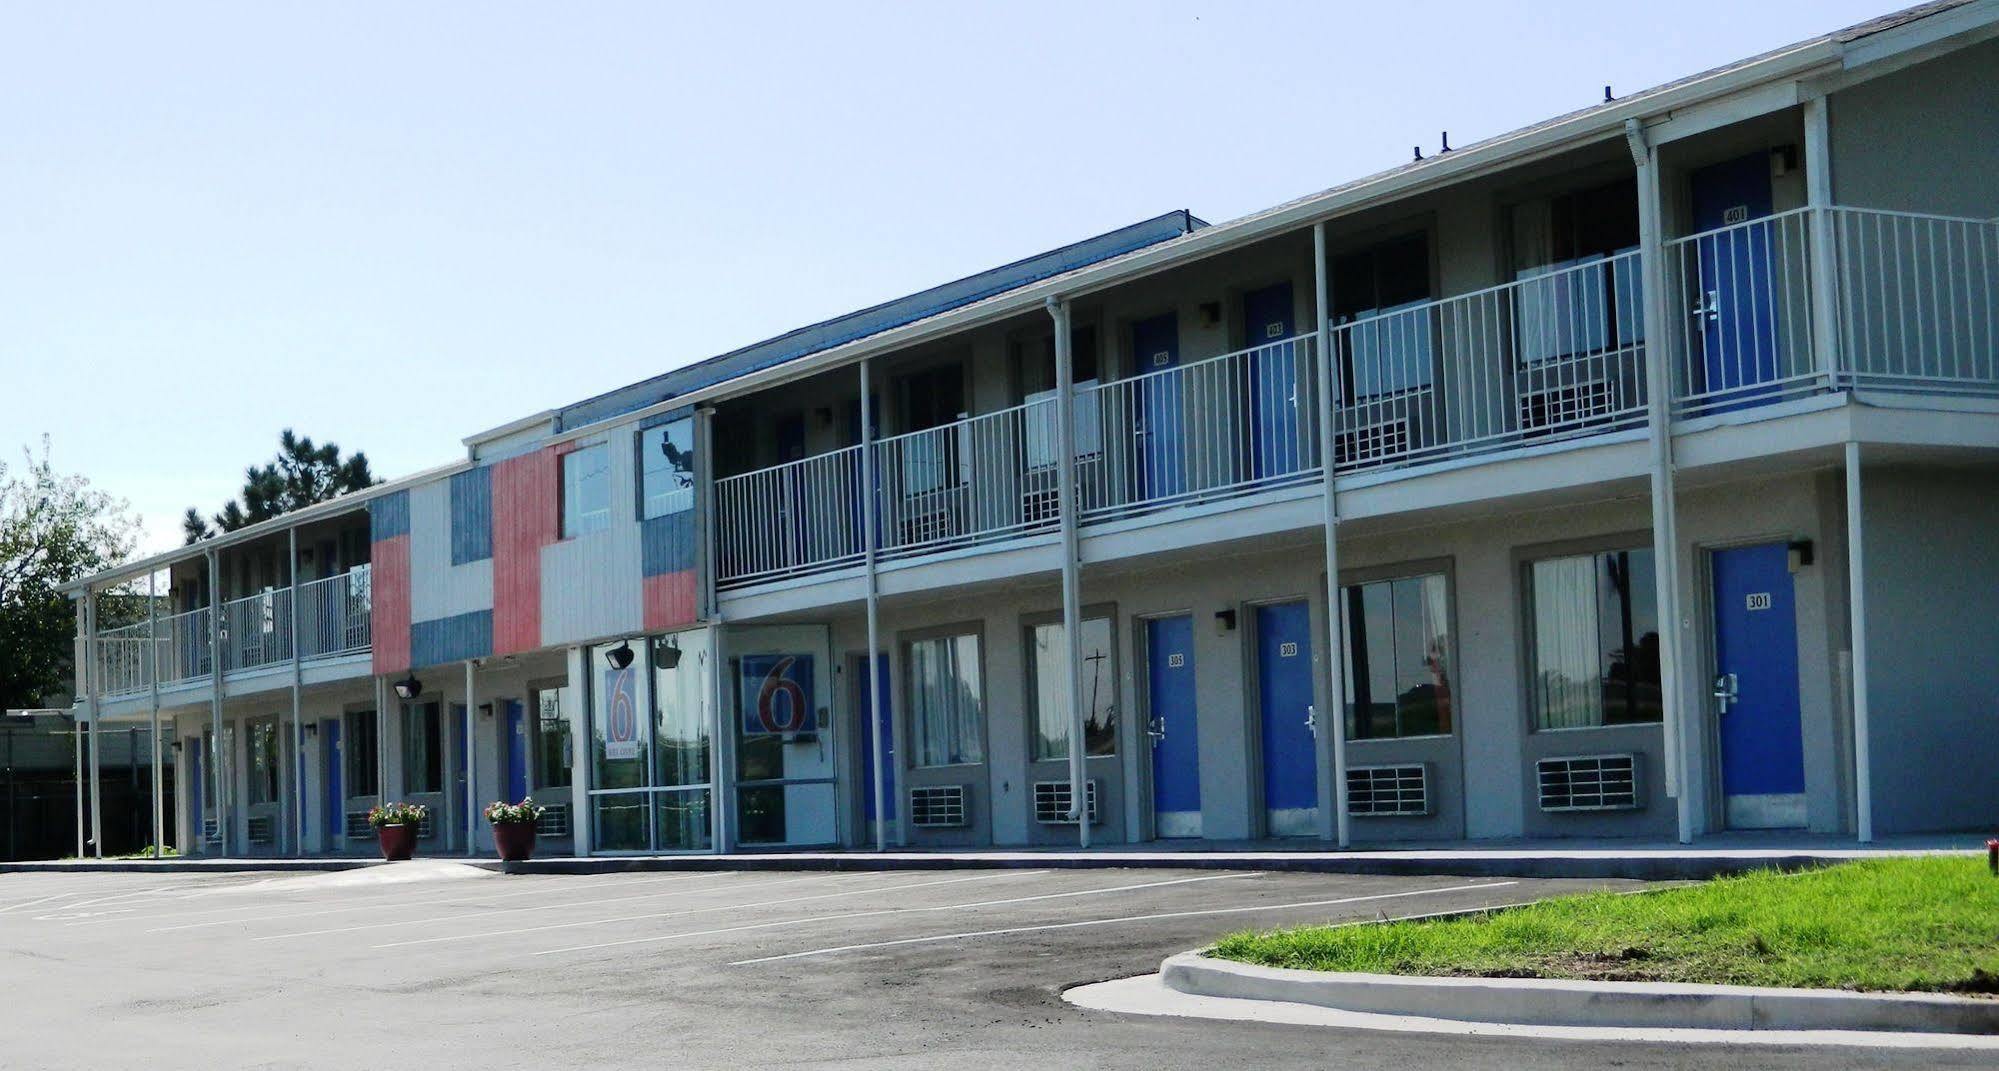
1211, 313
620, 656
1224, 621
1800, 553
312, 730
409, 687
665, 655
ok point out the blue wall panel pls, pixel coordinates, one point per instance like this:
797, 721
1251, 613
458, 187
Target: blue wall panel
667, 544
451, 639
389, 516
472, 516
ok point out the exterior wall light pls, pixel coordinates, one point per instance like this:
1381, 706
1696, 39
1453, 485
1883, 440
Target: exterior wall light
409, 687
620, 656
665, 656
1224, 621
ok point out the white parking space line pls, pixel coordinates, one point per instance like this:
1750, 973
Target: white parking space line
39, 900
404, 900
721, 907
721, 886
892, 911
1243, 909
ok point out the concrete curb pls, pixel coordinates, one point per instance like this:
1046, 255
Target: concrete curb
1548, 1002
186, 866
1644, 865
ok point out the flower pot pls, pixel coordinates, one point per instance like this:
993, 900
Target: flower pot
398, 842
515, 840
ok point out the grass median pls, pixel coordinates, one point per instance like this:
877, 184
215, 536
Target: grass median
1924, 925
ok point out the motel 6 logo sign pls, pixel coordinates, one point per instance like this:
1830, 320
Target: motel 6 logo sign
777, 695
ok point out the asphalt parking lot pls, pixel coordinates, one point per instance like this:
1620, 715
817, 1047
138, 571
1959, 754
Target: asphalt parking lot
438, 965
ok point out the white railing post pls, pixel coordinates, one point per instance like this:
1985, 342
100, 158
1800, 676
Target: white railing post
1856, 603
1824, 277
96, 693
153, 686
216, 673
295, 768
1665, 522
1336, 692
1072, 626
871, 661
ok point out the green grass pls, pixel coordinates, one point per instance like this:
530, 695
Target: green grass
1928, 924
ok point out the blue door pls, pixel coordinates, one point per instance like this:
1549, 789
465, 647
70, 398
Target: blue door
1176, 754
517, 750
1735, 302
334, 796
199, 802
1274, 444
1161, 430
1756, 688
1284, 695
883, 723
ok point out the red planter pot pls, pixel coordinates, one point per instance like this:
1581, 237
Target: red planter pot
398, 842
515, 840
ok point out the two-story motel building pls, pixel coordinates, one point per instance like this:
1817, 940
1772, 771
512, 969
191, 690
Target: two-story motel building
1635, 473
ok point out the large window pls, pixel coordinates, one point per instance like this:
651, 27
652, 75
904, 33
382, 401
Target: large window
1048, 689
586, 490
1564, 307
358, 757
1389, 349
423, 749
947, 713
1398, 674
1596, 640
666, 469
649, 742
264, 761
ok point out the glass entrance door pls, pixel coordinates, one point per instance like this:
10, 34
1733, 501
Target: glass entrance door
777, 696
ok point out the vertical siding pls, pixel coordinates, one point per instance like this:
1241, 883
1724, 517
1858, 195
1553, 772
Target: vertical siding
472, 516
391, 601
591, 586
451, 639
524, 513
669, 551
438, 587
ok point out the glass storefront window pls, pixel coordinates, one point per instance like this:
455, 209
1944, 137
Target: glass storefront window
778, 698
1048, 666
554, 748
680, 720
650, 732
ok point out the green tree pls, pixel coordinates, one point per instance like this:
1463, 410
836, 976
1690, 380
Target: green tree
302, 474
54, 529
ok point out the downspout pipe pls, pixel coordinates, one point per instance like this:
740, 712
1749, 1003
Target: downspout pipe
1072, 612
1665, 522
1335, 719
871, 663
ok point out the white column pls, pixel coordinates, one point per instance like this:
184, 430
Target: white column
1856, 603
96, 731
870, 661
1818, 197
1334, 718
704, 479
471, 761
81, 651
217, 764
1072, 582
296, 773
1665, 521
153, 686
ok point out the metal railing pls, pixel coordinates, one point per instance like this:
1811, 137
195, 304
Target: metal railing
256, 630
185, 653
1739, 307
1237, 423
801, 514
971, 481
335, 615
123, 659
1917, 299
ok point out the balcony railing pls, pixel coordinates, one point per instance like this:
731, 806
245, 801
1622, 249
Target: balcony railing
1910, 302
335, 618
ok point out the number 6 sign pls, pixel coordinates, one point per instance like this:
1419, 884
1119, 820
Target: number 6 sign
777, 694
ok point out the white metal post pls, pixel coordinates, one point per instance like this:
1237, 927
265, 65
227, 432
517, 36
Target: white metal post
153, 686
382, 741
704, 477
870, 718
96, 748
1665, 521
471, 761
1856, 603
216, 764
296, 771
1072, 626
1334, 718
80, 653
1818, 197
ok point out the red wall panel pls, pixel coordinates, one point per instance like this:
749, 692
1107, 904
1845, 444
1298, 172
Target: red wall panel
391, 599
524, 521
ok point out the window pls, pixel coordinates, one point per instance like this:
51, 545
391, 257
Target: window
1596, 640
586, 490
1380, 292
1048, 689
946, 700
554, 748
359, 758
1564, 307
423, 749
264, 761
1035, 365
1398, 678
666, 469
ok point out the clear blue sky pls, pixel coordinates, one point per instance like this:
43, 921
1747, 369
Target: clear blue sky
395, 225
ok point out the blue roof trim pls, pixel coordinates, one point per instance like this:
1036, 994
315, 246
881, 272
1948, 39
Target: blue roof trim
667, 417
856, 325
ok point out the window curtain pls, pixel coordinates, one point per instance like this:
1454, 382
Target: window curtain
947, 710
1568, 656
